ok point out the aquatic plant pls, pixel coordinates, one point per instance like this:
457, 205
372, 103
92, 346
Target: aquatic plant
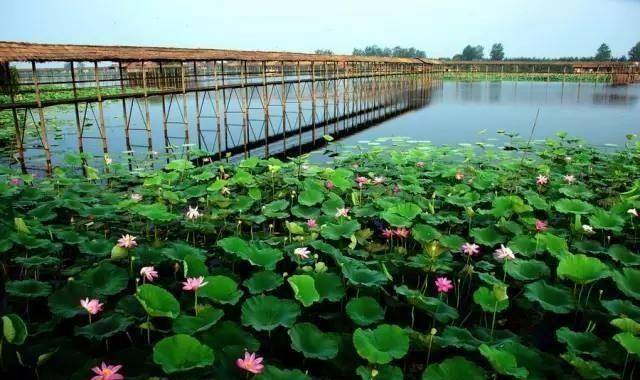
457, 266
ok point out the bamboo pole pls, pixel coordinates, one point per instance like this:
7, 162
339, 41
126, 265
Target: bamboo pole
43, 126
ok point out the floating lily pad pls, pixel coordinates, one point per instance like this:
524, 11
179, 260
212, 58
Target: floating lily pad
268, 312
364, 311
307, 339
381, 345
180, 353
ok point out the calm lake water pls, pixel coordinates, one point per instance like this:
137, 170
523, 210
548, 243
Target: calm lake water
455, 113
459, 111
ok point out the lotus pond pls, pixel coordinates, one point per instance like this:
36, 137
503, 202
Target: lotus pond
401, 262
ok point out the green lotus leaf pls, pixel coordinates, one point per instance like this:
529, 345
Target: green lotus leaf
331, 205
535, 200
329, 286
310, 197
156, 212
276, 209
14, 329
96, 247
629, 341
180, 353
28, 288
65, 302
621, 254
105, 327
364, 311
466, 200
262, 282
178, 251
453, 242
190, 325
581, 269
627, 325
268, 312
381, 345
503, 362
435, 307
424, 233
526, 270
383, 372
606, 221
307, 339
573, 206
304, 289
487, 236
358, 274
589, 369
220, 289
459, 338
157, 302
106, 279
540, 365
455, 368
274, 373
556, 299
525, 245
622, 308
341, 229
179, 165
628, 281
194, 266
488, 300
37, 261
229, 339
581, 342
555, 245
266, 258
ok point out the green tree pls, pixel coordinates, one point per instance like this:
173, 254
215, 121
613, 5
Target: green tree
398, 51
471, 53
603, 53
324, 51
497, 52
634, 53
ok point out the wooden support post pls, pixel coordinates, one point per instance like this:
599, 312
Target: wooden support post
165, 116
20, 132
325, 98
217, 109
335, 98
265, 107
147, 114
79, 128
198, 109
102, 128
185, 109
283, 102
225, 107
299, 99
43, 126
313, 103
127, 136
245, 106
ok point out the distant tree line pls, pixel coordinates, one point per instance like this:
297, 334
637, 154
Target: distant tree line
603, 53
324, 51
398, 51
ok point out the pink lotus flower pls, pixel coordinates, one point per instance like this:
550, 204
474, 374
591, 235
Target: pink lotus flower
504, 253
362, 181
107, 372
459, 176
127, 241
312, 223
470, 249
541, 225
16, 181
194, 283
149, 273
251, 363
387, 233
329, 185
402, 233
443, 284
93, 306
302, 252
542, 180
136, 197
420, 164
569, 178
342, 212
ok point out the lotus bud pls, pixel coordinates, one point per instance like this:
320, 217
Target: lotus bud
270, 225
374, 372
315, 256
307, 268
433, 331
285, 274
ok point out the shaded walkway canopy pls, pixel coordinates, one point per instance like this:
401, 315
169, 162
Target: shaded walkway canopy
22, 51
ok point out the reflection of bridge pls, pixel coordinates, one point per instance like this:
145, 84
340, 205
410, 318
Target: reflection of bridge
234, 102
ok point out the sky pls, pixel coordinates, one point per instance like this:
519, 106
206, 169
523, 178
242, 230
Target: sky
541, 28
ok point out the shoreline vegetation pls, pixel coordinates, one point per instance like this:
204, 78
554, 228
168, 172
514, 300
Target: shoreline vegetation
404, 261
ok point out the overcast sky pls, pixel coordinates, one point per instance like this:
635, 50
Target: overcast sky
542, 28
